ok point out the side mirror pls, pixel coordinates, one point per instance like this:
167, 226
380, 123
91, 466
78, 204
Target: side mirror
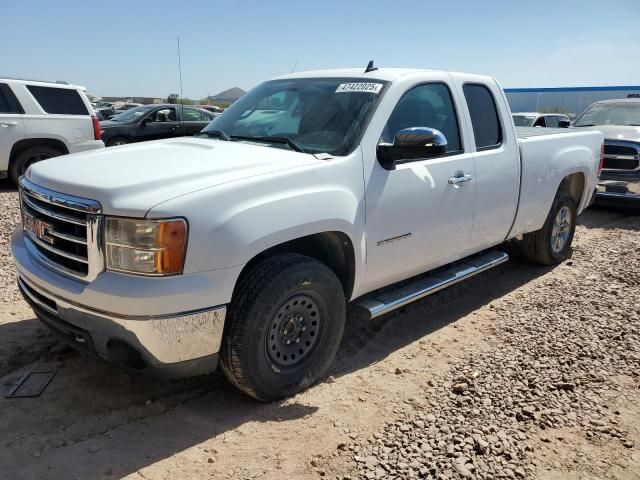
146, 120
564, 123
412, 144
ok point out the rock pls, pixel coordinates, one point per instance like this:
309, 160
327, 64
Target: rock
566, 386
462, 470
371, 461
481, 446
459, 388
93, 449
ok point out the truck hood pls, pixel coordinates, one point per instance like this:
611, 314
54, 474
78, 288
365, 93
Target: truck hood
619, 132
131, 179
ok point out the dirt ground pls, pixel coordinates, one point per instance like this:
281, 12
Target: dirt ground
94, 421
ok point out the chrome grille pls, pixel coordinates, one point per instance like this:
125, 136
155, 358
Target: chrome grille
62, 231
620, 155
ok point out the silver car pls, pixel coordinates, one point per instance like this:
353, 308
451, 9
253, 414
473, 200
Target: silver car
619, 121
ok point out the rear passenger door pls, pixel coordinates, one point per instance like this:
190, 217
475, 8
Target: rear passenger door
11, 125
497, 162
195, 120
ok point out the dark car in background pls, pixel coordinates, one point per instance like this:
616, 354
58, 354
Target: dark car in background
152, 122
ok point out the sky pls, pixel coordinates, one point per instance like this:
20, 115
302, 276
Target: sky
128, 48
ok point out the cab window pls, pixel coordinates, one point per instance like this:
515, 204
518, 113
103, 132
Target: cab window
193, 115
164, 115
428, 105
484, 116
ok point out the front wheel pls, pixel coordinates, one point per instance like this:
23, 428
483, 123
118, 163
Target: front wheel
552, 243
283, 327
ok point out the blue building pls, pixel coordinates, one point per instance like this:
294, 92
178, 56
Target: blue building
571, 100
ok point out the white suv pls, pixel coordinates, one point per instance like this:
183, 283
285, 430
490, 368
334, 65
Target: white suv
40, 120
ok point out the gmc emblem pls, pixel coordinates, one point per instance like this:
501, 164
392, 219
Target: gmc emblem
38, 228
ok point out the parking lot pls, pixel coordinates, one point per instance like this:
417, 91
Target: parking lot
524, 371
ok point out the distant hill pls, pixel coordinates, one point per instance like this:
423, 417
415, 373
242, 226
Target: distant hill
228, 96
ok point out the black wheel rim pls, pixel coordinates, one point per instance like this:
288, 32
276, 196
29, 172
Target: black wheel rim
37, 157
294, 331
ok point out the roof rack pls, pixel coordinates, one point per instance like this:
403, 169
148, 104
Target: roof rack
59, 82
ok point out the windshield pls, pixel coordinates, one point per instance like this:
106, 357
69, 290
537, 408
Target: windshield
132, 115
523, 120
610, 114
320, 115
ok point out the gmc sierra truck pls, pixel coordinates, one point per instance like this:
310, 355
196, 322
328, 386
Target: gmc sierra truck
244, 246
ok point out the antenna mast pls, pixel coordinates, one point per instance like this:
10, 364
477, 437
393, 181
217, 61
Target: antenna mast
180, 70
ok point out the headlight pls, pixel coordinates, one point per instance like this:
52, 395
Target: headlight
147, 247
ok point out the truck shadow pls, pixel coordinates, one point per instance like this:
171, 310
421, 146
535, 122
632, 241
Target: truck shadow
112, 424
611, 217
7, 186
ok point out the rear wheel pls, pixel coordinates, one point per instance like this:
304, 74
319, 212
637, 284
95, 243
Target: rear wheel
552, 243
28, 157
284, 327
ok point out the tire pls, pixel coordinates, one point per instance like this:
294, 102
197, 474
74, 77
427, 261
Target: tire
283, 327
28, 157
115, 141
550, 246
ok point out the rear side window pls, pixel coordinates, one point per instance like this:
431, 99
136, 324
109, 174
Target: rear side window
63, 101
192, 115
552, 121
8, 101
484, 116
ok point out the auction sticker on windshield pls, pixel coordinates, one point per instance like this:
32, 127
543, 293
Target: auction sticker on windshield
359, 87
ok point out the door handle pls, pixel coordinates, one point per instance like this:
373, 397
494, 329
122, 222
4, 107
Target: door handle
8, 124
464, 178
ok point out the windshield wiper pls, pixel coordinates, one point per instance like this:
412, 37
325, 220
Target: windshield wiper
586, 125
282, 140
216, 133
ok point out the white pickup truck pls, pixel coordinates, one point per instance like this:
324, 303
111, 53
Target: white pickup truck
313, 190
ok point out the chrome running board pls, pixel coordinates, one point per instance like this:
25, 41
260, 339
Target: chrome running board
393, 298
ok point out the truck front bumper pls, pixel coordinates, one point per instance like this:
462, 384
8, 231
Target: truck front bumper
168, 345
619, 188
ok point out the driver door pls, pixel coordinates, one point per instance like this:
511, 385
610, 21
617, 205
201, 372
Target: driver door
417, 219
164, 124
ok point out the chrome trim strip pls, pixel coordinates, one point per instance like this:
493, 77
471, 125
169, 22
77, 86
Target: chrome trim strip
95, 311
26, 289
618, 195
93, 223
38, 256
69, 238
58, 216
469, 268
62, 199
95, 247
55, 250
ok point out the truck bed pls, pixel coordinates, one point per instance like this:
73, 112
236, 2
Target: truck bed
528, 132
543, 152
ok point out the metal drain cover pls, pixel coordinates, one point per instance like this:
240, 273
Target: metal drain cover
30, 385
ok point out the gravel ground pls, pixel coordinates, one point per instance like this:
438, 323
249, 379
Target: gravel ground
9, 220
562, 353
